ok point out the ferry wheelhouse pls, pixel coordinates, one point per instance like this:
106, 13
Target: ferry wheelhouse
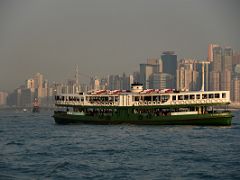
147, 107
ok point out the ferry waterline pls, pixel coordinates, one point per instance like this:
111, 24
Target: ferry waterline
144, 107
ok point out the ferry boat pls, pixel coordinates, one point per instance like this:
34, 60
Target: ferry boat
144, 107
36, 108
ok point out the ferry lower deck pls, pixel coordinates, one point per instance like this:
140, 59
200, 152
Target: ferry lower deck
145, 116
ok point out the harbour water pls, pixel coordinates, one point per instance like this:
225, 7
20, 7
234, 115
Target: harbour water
32, 146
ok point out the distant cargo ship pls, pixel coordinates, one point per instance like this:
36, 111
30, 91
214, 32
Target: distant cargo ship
145, 107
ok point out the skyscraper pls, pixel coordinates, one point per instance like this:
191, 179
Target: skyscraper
215, 70
210, 51
169, 65
146, 70
39, 84
226, 74
227, 59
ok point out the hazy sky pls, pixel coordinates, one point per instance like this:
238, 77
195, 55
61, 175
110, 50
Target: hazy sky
107, 36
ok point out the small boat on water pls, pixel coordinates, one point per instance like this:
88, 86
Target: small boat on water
36, 108
144, 107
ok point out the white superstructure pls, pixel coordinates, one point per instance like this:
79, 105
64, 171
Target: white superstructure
140, 97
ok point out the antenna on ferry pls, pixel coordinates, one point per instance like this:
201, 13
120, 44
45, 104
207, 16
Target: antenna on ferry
203, 72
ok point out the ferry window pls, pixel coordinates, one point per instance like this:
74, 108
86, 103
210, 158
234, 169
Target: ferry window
198, 96
164, 98
210, 96
173, 98
223, 95
204, 96
82, 99
185, 97
110, 99
116, 98
217, 95
147, 98
180, 97
192, 96
155, 98
136, 98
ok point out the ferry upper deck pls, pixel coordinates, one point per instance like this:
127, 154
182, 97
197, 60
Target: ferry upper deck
141, 97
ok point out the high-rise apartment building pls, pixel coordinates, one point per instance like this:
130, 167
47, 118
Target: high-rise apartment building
210, 51
235, 94
227, 59
187, 75
236, 58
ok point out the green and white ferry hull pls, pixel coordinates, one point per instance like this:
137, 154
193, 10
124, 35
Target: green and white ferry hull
144, 107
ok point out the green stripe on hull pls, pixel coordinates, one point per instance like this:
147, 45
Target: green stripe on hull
221, 119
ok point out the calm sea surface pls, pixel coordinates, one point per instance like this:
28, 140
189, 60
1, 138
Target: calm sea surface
32, 146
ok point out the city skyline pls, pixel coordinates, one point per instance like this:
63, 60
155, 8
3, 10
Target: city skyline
107, 37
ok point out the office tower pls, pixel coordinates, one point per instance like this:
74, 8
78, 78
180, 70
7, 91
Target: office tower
124, 82
136, 76
159, 80
3, 98
210, 51
103, 84
215, 70
169, 65
39, 84
131, 81
114, 82
187, 75
146, 70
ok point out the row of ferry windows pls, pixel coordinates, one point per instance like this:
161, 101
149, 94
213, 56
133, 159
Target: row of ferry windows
165, 98
204, 96
162, 98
